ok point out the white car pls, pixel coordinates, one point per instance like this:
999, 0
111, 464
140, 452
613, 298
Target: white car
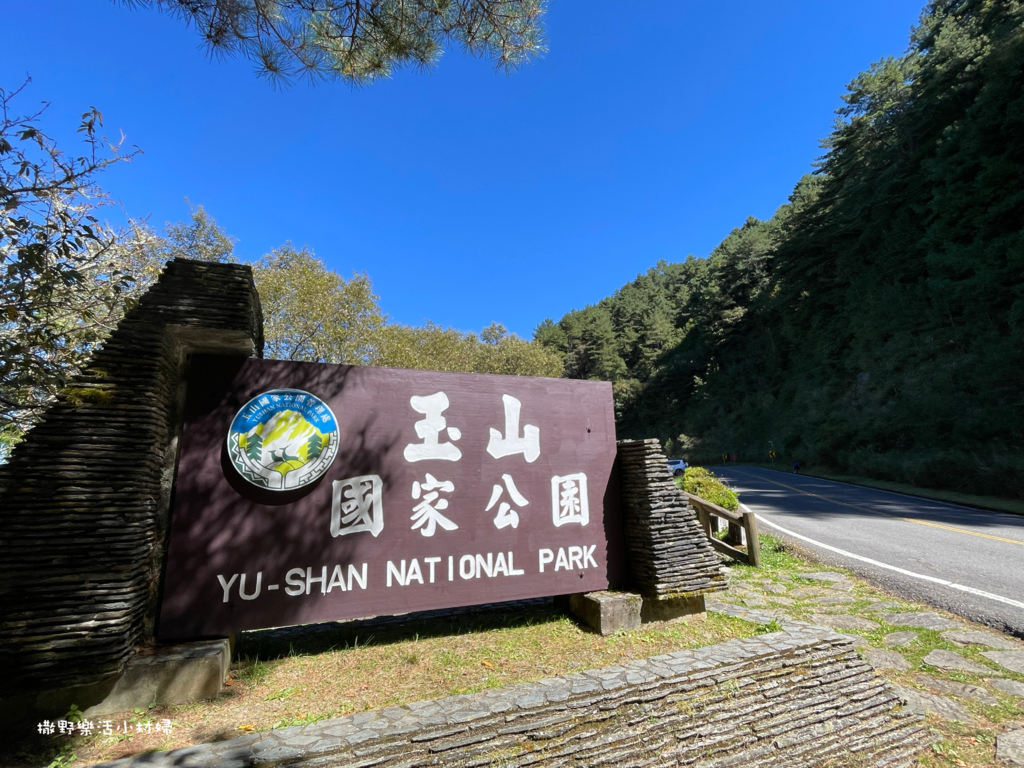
677, 467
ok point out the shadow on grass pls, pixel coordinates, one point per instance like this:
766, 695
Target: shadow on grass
312, 639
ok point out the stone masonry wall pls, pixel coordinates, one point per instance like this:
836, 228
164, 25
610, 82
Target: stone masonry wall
667, 553
802, 697
84, 499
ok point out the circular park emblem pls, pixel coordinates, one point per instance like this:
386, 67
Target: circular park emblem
283, 439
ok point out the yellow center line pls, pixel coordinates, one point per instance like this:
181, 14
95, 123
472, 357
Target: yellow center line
883, 514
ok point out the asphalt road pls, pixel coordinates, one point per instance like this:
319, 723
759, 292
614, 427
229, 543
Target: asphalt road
967, 561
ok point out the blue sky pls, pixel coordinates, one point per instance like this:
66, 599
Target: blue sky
648, 131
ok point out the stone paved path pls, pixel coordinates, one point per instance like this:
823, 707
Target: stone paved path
953, 661
880, 658
843, 621
830, 576
1011, 687
960, 690
1011, 660
836, 600
955, 673
857, 640
973, 637
884, 605
1010, 746
899, 639
929, 703
922, 619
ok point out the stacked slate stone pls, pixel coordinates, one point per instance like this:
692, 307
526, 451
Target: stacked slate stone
667, 553
84, 498
802, 698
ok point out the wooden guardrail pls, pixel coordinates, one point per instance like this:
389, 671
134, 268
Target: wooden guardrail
740, 523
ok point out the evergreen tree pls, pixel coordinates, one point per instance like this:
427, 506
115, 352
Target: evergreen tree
874, 324
360, 41
254, 447
314, 447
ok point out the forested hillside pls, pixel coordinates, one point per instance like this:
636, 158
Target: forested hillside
875, 324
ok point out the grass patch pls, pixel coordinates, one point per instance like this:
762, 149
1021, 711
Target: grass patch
775, 556
303, 675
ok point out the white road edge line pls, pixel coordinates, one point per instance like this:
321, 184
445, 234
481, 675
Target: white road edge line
844, 553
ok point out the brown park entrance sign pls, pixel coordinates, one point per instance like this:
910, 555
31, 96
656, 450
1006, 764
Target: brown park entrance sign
309, 492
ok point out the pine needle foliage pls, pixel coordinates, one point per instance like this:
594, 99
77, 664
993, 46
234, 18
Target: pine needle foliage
360, 41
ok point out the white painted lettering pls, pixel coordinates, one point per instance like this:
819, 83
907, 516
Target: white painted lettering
576, 556
451, 567
431, 561
414, 572
512, 442
561, 561
467, 567
337, 579
322, 578
569, 501
356, 506
500, 566
226, 585
430, 428
485, 566
512, 571
241, 587
398, 574
546, 556
359, 577
295, 579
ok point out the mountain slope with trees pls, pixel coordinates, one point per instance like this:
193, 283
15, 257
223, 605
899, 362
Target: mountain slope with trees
875, 324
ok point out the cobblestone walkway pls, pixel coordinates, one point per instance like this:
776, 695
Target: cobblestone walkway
967, 679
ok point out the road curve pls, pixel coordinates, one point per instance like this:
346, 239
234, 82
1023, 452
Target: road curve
967, 561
